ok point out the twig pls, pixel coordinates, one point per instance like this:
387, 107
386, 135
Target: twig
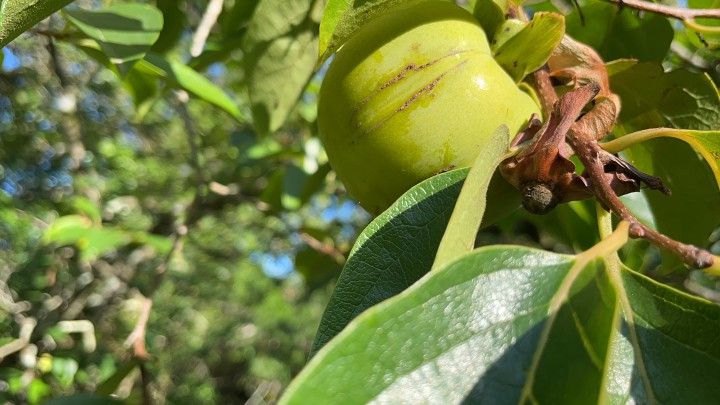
584, 143
589, 153
545, 91
71, 127
323, 248
27, 325
182, 98
212, 12
136, 339
684, 14
145, 384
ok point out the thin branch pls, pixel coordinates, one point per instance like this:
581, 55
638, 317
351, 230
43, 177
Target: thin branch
212, 12
679, 13
27, 325
136, 339
589, 153
323, 248
193, 138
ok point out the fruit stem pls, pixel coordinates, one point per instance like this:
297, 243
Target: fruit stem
545, 90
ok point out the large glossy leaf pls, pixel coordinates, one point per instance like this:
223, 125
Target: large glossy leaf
530, 48
343, 18
621, 33
125, 32
400, 245
16, 16
681, 99
394, 251
280, 46
515, 325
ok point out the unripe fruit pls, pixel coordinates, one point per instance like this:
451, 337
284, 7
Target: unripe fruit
414, 93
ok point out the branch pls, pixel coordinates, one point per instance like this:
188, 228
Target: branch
136, 339
679, 13
323, 248
212, 12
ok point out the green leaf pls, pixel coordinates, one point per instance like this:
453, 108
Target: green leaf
399, 246
529, 49
467, 332
184, 77
394, 251
673, 337
67, 230
681, 99
174, 23
462, 228
510, 325
652, 97
343, 18
621, 33
99, 241
112, 383
125, 32
16, 16
706, 143
491, 15
280, 47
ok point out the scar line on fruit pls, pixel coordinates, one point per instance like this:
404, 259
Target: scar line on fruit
403, 74
422, 91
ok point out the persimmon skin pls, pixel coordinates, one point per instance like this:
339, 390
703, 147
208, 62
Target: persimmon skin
414, 93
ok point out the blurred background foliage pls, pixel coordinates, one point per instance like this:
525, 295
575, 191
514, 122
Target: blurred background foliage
170, 229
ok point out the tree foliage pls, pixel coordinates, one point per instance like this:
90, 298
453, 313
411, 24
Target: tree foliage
171, 229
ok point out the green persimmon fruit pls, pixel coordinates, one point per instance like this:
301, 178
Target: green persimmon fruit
413, 93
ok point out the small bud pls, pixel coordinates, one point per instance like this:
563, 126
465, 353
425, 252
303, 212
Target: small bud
538, 198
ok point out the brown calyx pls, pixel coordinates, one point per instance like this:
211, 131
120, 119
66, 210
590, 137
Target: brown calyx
542, 169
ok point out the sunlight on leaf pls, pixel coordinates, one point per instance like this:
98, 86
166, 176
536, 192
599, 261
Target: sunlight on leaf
125, 32
459, 237
530, 48
16, 16
706, 143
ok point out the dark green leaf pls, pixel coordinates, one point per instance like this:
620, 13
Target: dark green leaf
173, 26
399, 246
654, 98
393, 252
490, 14
621, 33
125, 32
16, 16
280, 46
677, 355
